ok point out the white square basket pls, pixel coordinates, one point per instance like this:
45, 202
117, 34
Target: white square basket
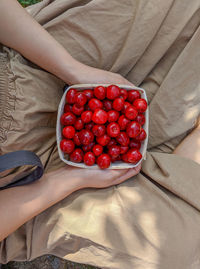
116, 165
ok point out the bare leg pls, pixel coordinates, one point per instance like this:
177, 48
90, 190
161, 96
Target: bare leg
190, 146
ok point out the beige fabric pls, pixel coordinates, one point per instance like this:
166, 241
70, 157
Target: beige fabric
153, 220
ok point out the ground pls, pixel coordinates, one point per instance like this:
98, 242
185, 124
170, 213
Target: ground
47, 261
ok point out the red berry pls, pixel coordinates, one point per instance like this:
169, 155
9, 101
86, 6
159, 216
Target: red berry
133, 94
68, 132
140, 105
123, 149
100, 116
111, 143
123, 121
76, 156
89, 126
103, 161
89, 158
115, 159
114, 151
113, 129
103, 140
135, 144
80, 98
86, 116
124, 94
99, 130
89, 94
118, 104
86, 137
79, 124
133, 155
123, 139
94, 104
113, 92
100, 92
133, 129
88, 147
76, 139
141, 136
87, 107
68, 118
67, 146
126, 104
97, 149
124, 157
107, 105
67, 108
112, 115
77, 109
131, 113
70, 96
140, 118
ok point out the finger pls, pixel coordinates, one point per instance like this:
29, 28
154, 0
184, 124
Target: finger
129, 173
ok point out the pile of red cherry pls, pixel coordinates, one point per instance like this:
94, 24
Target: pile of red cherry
103, 125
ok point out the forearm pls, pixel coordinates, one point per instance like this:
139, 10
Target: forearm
20, 204
190, 146
21, 32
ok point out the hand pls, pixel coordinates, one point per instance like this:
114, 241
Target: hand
84, 74
81, 178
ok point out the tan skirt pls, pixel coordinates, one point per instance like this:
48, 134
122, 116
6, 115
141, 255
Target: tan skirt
151, 221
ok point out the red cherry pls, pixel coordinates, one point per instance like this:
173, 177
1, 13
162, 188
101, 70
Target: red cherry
94, 104
79, 124
133, 94
141, 136
111, 143
100, 92
133, 129
87, 107
89, 158
89, 126
67, 108
133, 155
77, 109
67, 146
80, 98
76, 139
103, 161
97, 149
113, 129
113, 92
123, 139
88, 147
131, 113
123, 149
118, 104
103, 140
115, 159
112, 115
68, 132
126, 104
124, 157
123, 121
70, 96
140, 105
140, 118
68, 118
124, 94
135, 144
76, 156
99, 130
107, 105
86, 116
100, 116
86, 137
114, 151
89, 94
